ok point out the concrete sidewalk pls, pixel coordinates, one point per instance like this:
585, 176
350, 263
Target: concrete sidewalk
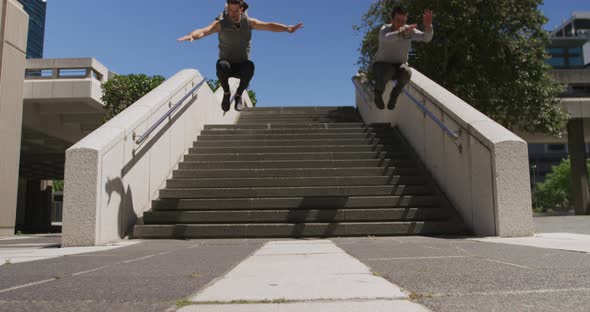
344, 274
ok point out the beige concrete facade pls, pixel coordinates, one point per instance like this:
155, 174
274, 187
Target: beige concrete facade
110, 181
13, 44
62, 104
483, 171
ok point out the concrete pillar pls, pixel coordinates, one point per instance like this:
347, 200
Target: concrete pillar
14, 23
577, 151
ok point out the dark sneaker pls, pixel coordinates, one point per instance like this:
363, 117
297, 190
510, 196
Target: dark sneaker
238, 103
392, 102
379, 100
225, 104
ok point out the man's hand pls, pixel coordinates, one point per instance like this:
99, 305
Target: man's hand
427, 20
292, 29
407, 30
186, 38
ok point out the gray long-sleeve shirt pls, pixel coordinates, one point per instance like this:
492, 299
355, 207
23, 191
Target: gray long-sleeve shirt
393, 48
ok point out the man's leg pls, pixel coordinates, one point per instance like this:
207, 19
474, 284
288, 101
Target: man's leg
383, 72
246, 72
224, 70
403, 74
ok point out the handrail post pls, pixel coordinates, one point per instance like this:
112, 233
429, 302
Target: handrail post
168, 114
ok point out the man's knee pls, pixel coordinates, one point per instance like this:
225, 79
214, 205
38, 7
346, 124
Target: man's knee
223, 68
248, 68
404, 75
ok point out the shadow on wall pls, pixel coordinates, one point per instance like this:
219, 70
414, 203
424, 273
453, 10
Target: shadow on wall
127, 217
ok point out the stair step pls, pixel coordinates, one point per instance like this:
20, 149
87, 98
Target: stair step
286, 143
291, 149
297, 203
298, 119
377, 190
274, 137
295, 181
358, 130
295, 109
292, 172
294, 216
281, 230
277, 164
292, 156
288, 125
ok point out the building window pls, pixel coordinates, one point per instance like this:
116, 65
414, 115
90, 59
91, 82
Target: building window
576, 61
580, 90
555, 51
575, 51
556, 61
556, 148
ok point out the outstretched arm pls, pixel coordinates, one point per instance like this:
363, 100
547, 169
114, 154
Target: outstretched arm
428, 34
202, 32
276, 27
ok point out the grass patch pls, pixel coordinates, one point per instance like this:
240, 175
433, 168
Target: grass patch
183, 303
58, 276
416, 296
7, 261
194, 275
275, 301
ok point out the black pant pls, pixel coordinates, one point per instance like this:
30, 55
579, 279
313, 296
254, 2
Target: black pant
243, 71
384, 72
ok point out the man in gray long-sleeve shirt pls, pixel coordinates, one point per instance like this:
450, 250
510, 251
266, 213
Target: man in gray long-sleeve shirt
235, 33
395, 41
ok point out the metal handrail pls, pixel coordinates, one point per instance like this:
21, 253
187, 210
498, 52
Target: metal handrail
426, 111
144, 136
422, 107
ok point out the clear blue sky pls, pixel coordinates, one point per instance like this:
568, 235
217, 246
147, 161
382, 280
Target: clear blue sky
310, 67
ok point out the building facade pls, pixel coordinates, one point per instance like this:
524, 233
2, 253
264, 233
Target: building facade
569, 51
13, 38
36, 39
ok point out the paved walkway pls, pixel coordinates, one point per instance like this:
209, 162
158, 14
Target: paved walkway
549, 272
313, 274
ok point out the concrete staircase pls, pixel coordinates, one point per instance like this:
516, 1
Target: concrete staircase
299, 172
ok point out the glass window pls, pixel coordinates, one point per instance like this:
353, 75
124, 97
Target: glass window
556, 61
555, 51
575, 51
576, 61
556, 148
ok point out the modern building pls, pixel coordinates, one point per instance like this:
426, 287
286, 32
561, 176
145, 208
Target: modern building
13, 43
570, 58
36, 9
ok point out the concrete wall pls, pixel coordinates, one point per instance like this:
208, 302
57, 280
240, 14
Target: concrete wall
110, 181
64, 107
13, 44
571, 76
484, 172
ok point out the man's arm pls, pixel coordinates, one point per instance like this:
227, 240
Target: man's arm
276, 27
423, 36
197, 34
428, 34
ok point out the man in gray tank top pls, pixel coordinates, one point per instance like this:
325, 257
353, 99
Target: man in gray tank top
235, 33
395, 41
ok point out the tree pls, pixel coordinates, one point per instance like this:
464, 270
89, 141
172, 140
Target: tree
214, 84
555, 193
489, 53
58, 185
123, 90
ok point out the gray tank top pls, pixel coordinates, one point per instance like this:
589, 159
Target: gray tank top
234, 41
